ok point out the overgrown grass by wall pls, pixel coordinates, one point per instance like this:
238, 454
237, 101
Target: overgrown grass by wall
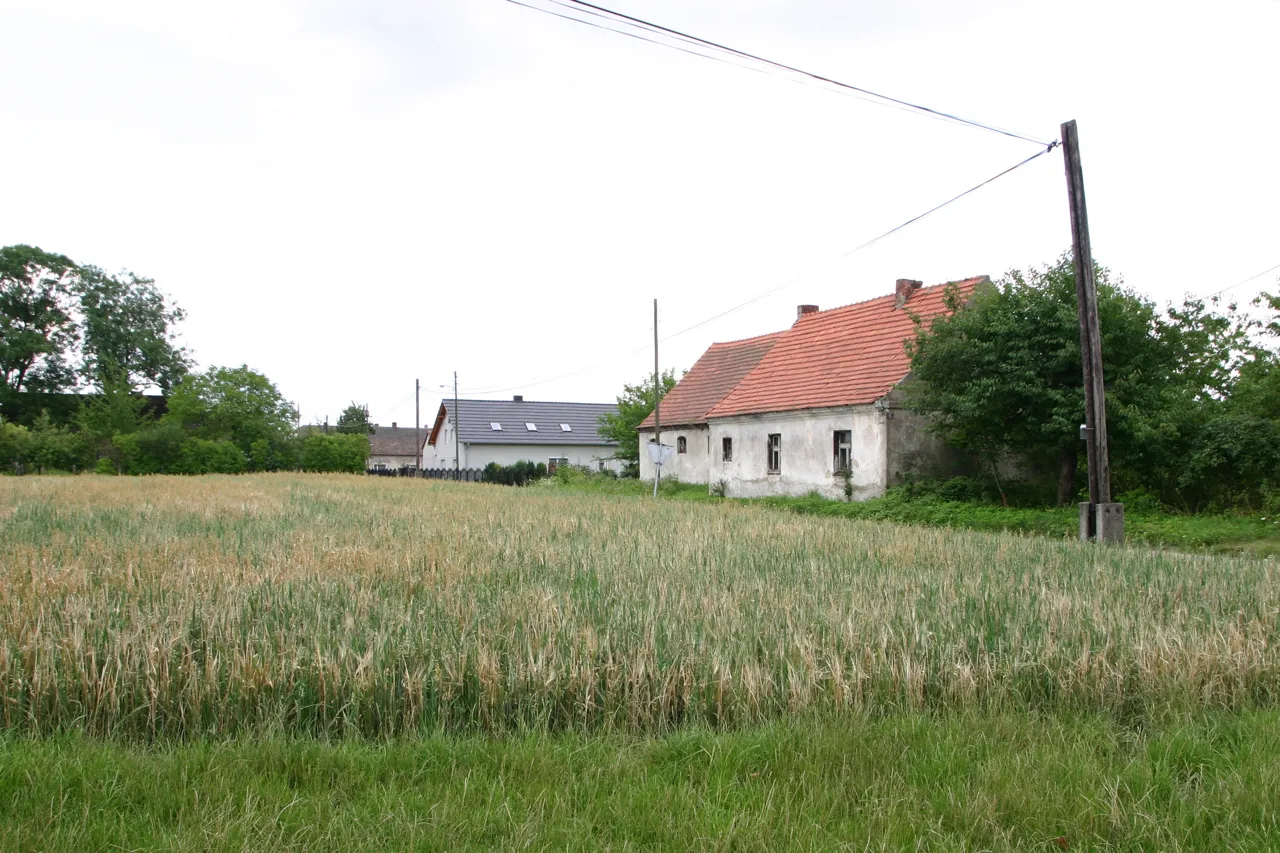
335, 605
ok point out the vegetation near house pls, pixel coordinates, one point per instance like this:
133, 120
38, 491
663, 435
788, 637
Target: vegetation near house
355, 419
1188, 408
635, 403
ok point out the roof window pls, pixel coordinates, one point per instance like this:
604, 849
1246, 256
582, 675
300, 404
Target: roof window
495, 426
566, 428
531, 427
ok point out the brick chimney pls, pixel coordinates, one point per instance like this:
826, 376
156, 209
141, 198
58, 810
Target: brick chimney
903, 290
801, 310
393, 424
517, 398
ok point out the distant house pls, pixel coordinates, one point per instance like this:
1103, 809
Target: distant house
508, 431
808, 409
394, 447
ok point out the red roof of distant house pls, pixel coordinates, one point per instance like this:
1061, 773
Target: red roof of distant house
713, 376
842, 357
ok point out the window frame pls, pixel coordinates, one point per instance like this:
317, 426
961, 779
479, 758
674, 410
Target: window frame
726, 449
837, 446
773, 458
682, 444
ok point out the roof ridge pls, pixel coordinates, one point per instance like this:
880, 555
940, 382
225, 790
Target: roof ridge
973, 278
747, 340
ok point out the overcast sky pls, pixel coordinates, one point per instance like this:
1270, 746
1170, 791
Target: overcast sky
347, 196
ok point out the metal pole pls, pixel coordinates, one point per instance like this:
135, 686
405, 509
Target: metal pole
417, 426
457, 460
657, 402
1100, 510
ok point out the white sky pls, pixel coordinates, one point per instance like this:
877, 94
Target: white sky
349, 195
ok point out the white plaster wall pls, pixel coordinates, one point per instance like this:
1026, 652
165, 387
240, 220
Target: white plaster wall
480, 455
807, 458
440, 455
692, 466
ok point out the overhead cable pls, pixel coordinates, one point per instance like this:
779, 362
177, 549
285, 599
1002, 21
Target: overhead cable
652, 28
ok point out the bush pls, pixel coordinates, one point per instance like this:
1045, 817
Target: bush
55, 448
1235, 463
105, 467
335, 453
157, 450
518, 474
201, 456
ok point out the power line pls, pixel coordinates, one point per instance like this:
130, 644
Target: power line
652, 28
789, 282
1240, 283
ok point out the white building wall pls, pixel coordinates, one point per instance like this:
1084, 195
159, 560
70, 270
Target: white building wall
807, 453
692, 466
393, 462
480, 455
441, 454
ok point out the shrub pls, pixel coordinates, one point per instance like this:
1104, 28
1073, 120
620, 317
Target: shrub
1236, 460
156, 450
201, 456
335, 453
517, 474
106, 467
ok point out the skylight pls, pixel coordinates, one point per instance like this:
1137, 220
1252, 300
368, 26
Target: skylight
495, 426
531, 427
566, 428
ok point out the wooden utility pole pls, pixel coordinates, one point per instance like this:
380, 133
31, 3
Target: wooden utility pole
417, 426
1100, 519
457, 459
657, 402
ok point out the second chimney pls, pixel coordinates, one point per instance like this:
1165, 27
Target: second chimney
517, 398
903, 290
801, 310
393, 424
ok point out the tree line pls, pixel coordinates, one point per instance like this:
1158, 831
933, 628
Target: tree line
67, 328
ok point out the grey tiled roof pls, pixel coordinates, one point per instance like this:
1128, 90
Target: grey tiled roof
476, 417
395, 441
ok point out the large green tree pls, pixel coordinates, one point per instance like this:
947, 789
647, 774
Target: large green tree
634, 405
1002, 374
233, 404
38, 331
127, 332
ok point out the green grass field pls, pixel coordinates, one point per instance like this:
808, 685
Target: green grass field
307, 661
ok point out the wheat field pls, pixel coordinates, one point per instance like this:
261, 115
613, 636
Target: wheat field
339, 605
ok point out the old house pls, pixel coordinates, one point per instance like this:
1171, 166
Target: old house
509, 431
393, 447
820, 410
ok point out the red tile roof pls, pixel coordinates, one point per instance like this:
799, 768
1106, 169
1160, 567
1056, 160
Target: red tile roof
842, 357
713, 376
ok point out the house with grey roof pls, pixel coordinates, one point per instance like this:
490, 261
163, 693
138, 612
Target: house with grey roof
393, 447
508, 431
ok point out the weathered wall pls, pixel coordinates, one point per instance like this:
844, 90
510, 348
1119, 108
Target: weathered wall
687, 467
807, 457
916, 453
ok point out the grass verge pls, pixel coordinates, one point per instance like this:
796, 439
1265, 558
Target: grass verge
908, 782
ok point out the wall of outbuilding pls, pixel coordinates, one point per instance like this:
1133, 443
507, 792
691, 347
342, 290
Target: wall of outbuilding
688, 467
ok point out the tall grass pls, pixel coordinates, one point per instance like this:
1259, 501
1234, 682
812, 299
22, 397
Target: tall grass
322, 604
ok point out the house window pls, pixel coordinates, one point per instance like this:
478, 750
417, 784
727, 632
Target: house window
775, 452
726, 449
555, 462
682, 446
842, 451
566, 428
531, 427
495, 426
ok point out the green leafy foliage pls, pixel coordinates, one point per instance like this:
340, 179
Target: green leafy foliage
634, 405
335, 452
517, 474
201, 456
233, 404
37, 326
355, 420
128, 331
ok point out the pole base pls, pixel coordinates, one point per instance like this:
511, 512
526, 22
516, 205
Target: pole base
1102, 523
